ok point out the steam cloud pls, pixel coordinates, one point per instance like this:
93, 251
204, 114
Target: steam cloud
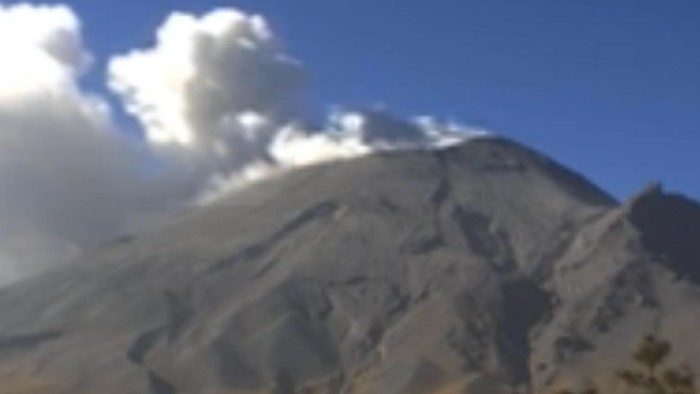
219, 103
212, 87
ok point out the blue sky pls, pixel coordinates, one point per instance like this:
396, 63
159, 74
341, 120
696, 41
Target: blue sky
610, 88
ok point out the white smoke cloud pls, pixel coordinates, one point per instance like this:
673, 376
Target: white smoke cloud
220, 104
214, 87
349, 134
220, 92
55, 155
43, 50
68, 177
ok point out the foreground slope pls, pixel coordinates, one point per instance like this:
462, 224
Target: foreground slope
481, 268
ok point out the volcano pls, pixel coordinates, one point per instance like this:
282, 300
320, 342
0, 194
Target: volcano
482, 268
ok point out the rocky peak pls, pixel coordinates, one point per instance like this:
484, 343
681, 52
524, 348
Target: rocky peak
669, 225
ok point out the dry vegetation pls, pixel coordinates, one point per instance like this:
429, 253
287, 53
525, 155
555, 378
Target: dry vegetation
650, 375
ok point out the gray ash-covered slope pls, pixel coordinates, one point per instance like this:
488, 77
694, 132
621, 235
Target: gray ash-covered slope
480, 268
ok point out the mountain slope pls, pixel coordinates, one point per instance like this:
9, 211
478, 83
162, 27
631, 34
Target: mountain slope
480, 268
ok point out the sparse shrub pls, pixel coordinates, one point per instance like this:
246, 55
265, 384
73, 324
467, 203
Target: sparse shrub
648, 376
